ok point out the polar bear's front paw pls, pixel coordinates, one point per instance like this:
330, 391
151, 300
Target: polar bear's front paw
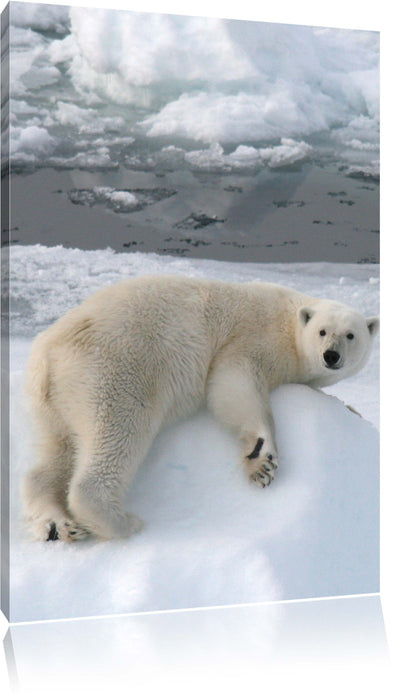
261, 464
263, 474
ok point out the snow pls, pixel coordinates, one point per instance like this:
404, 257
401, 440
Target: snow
210, 537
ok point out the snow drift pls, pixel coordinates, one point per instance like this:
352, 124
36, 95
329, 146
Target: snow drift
211, 538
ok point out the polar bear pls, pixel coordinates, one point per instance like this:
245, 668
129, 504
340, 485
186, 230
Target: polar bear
106, 377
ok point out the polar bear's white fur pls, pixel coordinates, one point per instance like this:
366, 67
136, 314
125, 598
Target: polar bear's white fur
105, 378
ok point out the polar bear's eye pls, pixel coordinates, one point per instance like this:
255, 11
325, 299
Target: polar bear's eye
323, 332
350, 336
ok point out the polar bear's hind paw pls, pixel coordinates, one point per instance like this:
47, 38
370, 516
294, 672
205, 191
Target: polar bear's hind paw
67, 531
53, 532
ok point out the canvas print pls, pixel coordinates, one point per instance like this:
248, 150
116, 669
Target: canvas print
190, 250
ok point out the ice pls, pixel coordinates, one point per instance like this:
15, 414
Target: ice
247, 158
289, 152
30, 144
33, 138
96, 160
210, 538
214, 159
241, 117
236, 118
369, 172
40, 17
139, 49
120, 200
85, 120
29, 66
219, 84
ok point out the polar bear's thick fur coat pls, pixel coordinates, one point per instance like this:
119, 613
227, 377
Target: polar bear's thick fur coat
105, 378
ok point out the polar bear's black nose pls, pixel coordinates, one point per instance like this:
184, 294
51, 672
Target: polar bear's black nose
331, 357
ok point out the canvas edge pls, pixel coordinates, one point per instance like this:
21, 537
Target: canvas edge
5, 351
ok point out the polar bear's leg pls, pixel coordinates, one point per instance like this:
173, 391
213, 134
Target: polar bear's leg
103, 472
45, 488
237, 400
95, 499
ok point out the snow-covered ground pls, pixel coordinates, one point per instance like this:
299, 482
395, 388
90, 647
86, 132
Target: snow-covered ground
210, 537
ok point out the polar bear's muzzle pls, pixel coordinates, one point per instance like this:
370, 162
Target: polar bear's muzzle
332, 359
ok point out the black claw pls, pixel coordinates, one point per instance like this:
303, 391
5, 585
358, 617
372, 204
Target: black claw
270, 459
257, 449
53, 533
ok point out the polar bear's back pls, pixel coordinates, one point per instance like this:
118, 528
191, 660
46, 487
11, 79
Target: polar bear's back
137, 334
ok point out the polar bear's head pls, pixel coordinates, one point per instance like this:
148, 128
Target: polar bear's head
334, 339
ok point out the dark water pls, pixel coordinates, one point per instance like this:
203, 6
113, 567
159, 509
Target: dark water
312, 213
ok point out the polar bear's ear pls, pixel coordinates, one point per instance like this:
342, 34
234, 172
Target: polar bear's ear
373, 325
304, 314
